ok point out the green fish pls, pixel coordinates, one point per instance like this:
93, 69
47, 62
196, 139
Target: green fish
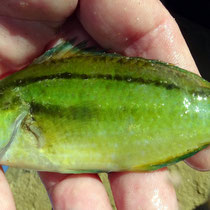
75, 110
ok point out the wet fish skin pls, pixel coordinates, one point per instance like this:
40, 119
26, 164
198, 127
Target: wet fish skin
76, 111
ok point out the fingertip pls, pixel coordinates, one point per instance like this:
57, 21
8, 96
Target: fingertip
200, 161
6, 197
152, 190
76, 191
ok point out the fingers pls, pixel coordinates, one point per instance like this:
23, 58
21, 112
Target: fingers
26, 27
136, 28
200, 161
75, 191
6, 198
146, 191
40, 10
20, 42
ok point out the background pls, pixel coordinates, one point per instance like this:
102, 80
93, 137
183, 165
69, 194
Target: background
193, 18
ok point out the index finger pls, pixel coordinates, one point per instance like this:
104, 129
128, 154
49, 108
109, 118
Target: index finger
137, 28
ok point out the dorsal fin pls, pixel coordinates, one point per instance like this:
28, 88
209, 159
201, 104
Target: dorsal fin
67, 49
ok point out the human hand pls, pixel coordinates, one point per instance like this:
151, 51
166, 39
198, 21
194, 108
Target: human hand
133, 28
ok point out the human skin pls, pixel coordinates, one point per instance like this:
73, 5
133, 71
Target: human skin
133, 28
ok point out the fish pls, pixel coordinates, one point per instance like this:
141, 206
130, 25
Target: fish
77, 110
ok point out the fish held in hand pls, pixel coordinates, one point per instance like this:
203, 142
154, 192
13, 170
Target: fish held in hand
74, 110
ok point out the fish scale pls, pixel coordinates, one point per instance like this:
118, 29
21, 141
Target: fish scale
75, 110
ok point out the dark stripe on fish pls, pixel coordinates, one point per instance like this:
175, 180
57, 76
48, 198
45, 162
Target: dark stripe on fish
67, 75
82, 112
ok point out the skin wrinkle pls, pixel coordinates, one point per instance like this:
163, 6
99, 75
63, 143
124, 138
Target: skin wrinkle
131, 29
145, 46
133, 47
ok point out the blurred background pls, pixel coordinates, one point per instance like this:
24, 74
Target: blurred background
193, 18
